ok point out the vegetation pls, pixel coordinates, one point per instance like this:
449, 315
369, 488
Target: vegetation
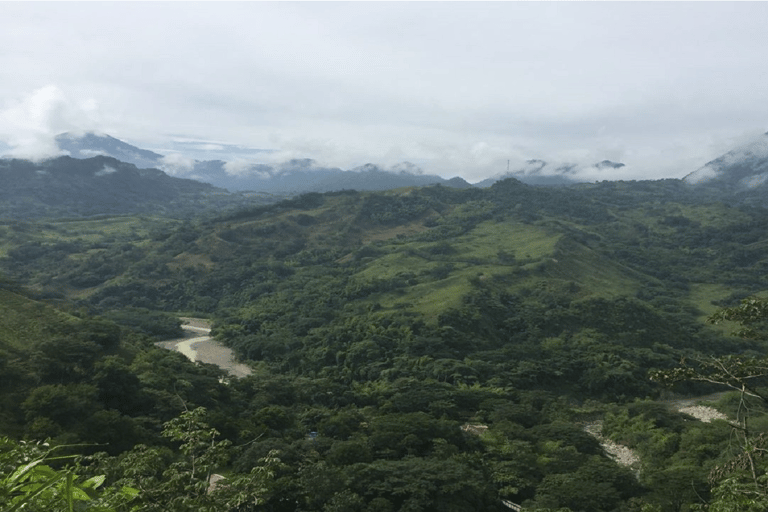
420, 349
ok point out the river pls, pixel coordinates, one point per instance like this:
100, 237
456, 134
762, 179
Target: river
198, 345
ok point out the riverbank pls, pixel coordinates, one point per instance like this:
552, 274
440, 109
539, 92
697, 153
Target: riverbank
197, 345
691, 406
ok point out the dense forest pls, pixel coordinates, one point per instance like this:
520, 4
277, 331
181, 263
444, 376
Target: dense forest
422, 349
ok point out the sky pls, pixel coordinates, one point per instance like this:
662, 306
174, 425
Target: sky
456, 88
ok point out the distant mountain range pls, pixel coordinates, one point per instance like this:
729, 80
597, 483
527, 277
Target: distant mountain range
303, 175
91, 144
299, 175
288, 178
106, 175
541, 173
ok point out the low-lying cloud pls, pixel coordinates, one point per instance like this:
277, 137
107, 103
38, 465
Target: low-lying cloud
29, 126
105, 171
755, 149
176, 164
755, 181
241, 167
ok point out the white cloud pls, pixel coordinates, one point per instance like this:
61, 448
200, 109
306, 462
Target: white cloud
210, 147
755, 181
407, 168
461, 89
106, 171
30, 124
242, 167
706, 173
177, 164
91, 152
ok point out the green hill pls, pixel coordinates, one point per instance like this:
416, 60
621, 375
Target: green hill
387, 330
306, 267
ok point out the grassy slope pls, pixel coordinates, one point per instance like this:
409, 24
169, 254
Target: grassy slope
521, 253
95, 230
473, 255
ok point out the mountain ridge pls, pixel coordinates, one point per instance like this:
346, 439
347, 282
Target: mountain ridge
291, 177
105, 184
92, 186
740, 169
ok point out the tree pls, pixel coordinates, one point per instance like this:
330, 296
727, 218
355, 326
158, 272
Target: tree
751, 314
740, 484
54, 410
187, 483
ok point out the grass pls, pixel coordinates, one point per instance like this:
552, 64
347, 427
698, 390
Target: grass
473, 255
701, 296
515, 254
523, 241
88, 231
431, 299
593, 273
715, 215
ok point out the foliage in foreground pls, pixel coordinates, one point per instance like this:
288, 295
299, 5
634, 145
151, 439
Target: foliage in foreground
28, 482
138, 480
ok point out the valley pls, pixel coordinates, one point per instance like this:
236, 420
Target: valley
383, 257
372, 327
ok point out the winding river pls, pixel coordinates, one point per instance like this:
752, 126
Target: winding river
198, 345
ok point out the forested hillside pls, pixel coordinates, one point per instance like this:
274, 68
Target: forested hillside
418, 349
68, 187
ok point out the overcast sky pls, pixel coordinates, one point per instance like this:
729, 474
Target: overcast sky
456, 88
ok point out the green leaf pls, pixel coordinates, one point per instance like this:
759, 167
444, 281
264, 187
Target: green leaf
79, 494
19, 473
94, 482
29, 497
129, 491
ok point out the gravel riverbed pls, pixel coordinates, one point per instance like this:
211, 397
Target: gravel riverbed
197, 345
626, 456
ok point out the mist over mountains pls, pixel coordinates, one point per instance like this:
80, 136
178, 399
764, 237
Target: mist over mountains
236, 168
235, 173
291, 177
742, 169
539, 172
91, 144
305, 175
112, 172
